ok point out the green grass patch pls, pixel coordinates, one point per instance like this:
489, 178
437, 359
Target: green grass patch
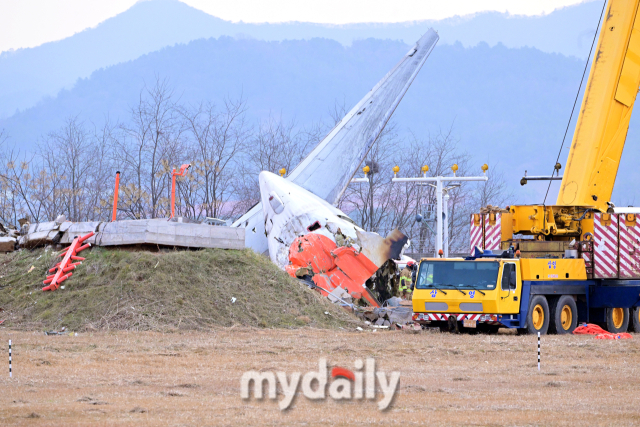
169, 289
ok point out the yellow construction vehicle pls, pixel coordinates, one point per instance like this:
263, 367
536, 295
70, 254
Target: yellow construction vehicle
554, 265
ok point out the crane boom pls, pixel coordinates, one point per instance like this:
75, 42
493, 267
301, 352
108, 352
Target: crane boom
602, 125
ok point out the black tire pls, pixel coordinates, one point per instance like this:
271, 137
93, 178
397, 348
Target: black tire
611, 321
551, 301
454, 325
538, 302
564, 308
634, 324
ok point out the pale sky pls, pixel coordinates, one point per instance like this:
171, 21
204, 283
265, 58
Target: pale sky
28, 23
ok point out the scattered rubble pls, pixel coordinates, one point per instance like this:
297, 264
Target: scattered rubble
398, 314
62, 331
8, 238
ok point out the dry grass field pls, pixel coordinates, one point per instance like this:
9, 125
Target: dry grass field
193, 378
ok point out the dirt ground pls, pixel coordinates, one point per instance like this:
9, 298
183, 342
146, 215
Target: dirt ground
193, 378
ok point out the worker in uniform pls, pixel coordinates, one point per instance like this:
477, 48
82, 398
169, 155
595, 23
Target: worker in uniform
406, 284
414, 273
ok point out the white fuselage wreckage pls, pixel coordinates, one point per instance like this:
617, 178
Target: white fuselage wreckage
309, 237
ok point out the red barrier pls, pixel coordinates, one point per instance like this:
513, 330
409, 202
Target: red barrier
64, 266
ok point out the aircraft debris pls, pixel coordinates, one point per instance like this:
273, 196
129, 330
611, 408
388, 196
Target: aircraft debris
310, 238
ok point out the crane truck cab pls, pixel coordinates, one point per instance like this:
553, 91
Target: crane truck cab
491, 291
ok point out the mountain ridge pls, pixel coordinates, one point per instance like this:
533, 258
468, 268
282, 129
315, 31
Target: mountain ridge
501, 101
28, 75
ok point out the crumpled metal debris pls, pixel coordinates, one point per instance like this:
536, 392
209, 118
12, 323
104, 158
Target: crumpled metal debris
388, 315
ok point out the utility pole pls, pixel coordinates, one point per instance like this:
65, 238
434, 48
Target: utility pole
445, 219
441, 192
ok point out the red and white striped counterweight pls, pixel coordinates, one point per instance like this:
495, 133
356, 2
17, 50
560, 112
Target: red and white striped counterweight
63, 268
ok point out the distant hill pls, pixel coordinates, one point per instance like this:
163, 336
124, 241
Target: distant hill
27, 75
508, 107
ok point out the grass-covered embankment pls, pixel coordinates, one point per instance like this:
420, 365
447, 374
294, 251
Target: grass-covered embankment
169, 289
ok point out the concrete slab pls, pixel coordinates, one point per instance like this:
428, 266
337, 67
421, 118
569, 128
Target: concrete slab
7, 244
137, 232
157, 232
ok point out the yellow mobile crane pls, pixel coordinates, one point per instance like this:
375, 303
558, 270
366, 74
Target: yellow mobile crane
577, 260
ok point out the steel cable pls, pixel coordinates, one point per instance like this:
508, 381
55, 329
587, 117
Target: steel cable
586, 65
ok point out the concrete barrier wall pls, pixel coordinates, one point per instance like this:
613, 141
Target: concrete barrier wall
137, 232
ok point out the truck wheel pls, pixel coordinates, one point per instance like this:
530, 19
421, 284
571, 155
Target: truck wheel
538, 317
564, 315
635, 317
617, 320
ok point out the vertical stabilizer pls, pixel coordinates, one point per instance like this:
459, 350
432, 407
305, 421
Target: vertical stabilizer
329, 168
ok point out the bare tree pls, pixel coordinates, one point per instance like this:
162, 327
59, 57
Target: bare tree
276, 145
69, 173
149, 144
494, 191
218, 138
15, 182
100, 189
70, 153
372, 203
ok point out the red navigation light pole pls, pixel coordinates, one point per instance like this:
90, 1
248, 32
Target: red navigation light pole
183, 171
115, 197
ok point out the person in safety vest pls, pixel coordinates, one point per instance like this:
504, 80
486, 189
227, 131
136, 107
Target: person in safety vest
406, 284
414, 273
